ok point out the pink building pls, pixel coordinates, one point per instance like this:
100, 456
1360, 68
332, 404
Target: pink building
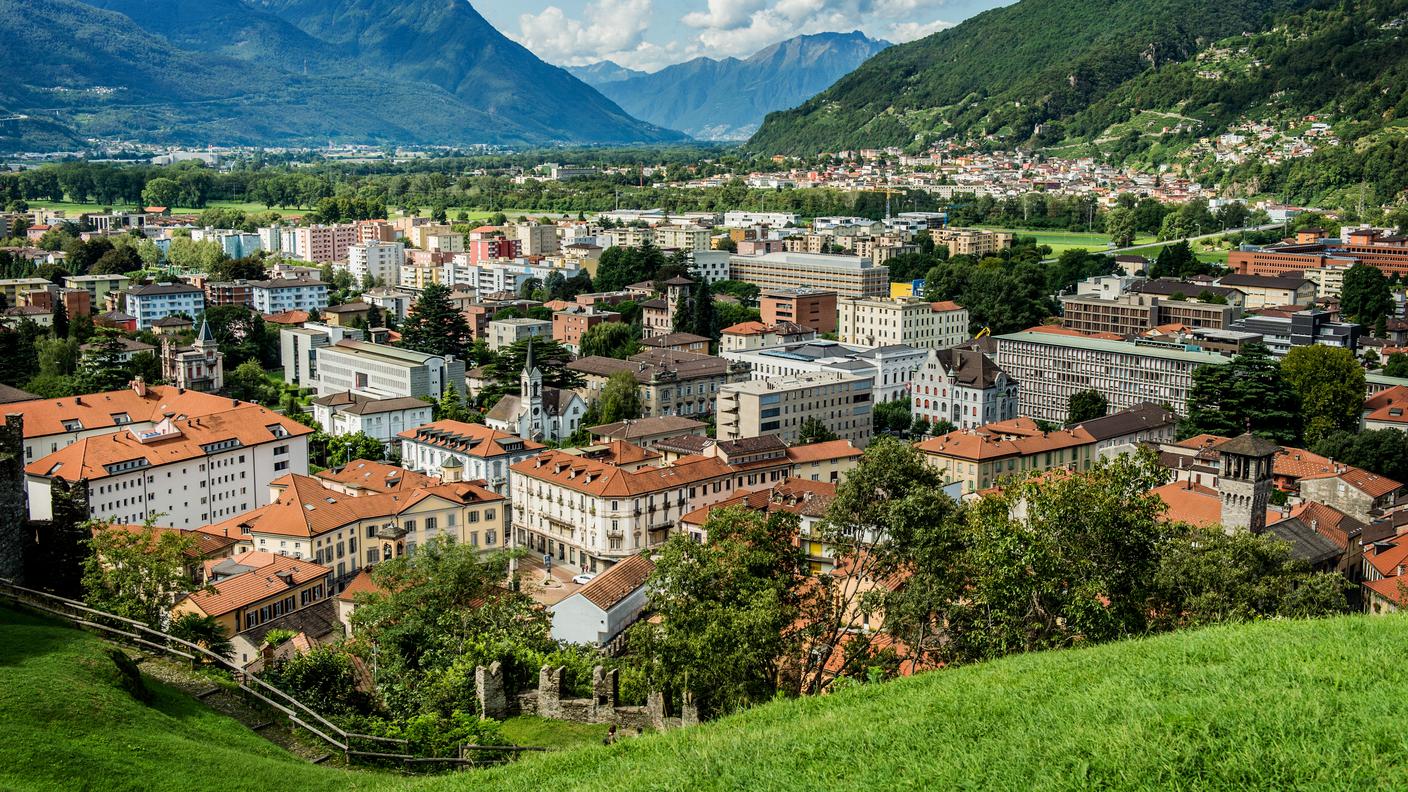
321, 243
487, 243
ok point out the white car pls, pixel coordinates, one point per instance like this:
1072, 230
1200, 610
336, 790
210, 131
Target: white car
584, 578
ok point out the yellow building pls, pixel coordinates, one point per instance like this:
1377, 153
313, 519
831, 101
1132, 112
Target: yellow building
981, 457
253, 589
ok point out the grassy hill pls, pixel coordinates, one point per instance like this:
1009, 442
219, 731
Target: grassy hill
1003, 73
1286, 705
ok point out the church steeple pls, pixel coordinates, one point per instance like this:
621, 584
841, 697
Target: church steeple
531, 386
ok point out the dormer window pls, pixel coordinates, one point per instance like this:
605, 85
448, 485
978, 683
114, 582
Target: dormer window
73, 425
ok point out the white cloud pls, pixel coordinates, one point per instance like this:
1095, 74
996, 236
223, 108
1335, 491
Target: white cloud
607, 28
900, 32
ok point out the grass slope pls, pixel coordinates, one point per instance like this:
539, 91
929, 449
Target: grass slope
1288, 705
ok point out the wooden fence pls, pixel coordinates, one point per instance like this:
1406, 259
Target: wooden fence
350, 744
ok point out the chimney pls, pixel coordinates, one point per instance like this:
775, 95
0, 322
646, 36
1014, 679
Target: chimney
139, 386
78, 400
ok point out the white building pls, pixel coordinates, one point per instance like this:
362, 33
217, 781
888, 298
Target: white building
475, 450
750, 219
288, 294
710, 266
683, 237
392, 302
963, 387
891, 368
188, 471
539, 413
779, 406
382, 372
535, 239
918, 323
384, 419
605, 607
298, 349
381, 261
160, 300
506, 332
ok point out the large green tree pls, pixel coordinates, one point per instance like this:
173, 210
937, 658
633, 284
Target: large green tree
620, 398
1365, 296
1086, 405
609, 339
1248, 393
137, 573
434, 326
1330, 384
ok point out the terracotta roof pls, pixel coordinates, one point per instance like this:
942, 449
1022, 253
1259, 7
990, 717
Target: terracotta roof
603, 479
256, 586
816, 452
1388, 406
607, 589
1015, 438
206, 544
95, 457
288, 317
1387, 556
361, 584
674, 339
475, 440
1190, 503
1069, 331
619, 452
1394, 589
1371, 484
1329, 522
1306, 543
646, 427
377, 477
945, 305
746, 328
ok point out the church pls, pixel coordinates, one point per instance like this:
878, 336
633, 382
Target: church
543, 414
199, 367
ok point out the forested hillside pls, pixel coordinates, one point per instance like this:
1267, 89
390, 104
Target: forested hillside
1002, 74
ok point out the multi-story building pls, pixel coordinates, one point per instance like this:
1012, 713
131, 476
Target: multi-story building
917, 323
891, 369
14, 289
537, 412
535, 239
451, 242
160, 300
847, 276
288, 294
394, 304
1282, 332
811, 308
710, 266
756, 335
671, 383
780, 406
97, 286
298, 349
981, 457
189, 471
657, 315
685, 237
320, 243
963, 387
238, 292
750, 219
971, 242
1263, 291
1312, 249
382, 419
382, 372
569, 324
379, 261
199, 367
1133, 313
1052, 366
474, 450
488, 243
504, 333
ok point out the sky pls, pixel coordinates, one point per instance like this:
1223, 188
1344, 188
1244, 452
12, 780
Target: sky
651, 34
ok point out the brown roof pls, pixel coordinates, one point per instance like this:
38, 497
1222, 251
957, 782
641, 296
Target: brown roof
603, 479
1190, 503
100, 410
361, 584
816, 452
357, 404
1388, 406
674, 339
377, 477
466, 438
1146, 415
1017, 438
1371, 484
648, 364
94, 457
206, 544
607, 589
1248, 444
256, 585
646, 427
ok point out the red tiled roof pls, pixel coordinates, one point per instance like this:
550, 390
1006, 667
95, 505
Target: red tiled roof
607, 589
256, 585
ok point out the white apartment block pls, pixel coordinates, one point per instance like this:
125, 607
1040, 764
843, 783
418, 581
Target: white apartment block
1050, 367
384, 419
473, 451
449, 242
847, 276
535, 239
689, 238
917, 323
383, 372
841, 402
298, 349
160, 300
184, 472
630, 236
381, 261
891, 369
710, 266
288, 294
750, 219
963, 387
507, 332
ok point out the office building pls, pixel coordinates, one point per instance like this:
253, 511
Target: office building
811, 308
383, 372
847, 276
891, 368
378, 261
780, 406
918, 323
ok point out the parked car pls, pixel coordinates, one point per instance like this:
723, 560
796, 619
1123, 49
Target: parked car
584, 578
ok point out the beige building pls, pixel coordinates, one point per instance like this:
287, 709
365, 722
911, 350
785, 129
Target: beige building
980, 458
535, 239
97, 286
880, 321
971, 241
671, 382
780, 406
847, 276
682, 237
506, 332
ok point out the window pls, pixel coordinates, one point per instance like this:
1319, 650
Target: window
281, 465
474, 516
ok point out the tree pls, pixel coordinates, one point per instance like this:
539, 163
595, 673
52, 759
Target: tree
620, 398
161, 191
1330, 385
1247, 394
60, 326
1381, 451
891, 416
136, 573
101, 367
1396, 365
727, 608
248, 382
1208, 576
703, 319
1365, 296
813, 430
609, 339
550, 357
1087, 405
434, 326
344, 448
450, 407
324, 679
203, 631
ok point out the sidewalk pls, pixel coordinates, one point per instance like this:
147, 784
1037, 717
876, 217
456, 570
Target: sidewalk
544, 588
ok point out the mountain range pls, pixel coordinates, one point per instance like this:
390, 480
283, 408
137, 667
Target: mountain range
1011, 74
726, 99
283, 72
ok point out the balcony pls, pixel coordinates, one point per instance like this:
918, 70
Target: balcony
389, 531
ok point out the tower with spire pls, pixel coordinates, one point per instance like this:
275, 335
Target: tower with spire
200, 366
531, 386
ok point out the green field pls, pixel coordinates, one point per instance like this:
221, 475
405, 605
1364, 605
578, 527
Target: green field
1061, 241
1273, 705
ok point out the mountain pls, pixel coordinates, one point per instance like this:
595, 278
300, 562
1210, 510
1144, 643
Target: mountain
287, 72
603, 73
727, 99
1003, 73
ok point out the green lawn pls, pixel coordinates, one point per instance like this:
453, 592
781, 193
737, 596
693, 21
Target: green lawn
1306, 705
544, 733
1061, 241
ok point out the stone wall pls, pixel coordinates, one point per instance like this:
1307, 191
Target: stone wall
602, 707
16, 535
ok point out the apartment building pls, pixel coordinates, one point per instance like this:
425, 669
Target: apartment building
629, 236
452, 242
964, 387
190, 471
811, 308
487, 243
841, 402
14, 289
288, 294
473, 452
305, 519
375, 260
1264, 291
917, 323
536, 239
756, 335
507, 332
1052, 366
382, 372
847, 276
981, 457
971, 241
159, 300
571, 323
382, 419
97, 286
228, 292
750, 219
891, 368
671, 383
1282, 332
683, 237
320, 243
1133, 313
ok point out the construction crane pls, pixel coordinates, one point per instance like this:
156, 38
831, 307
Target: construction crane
984, 333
